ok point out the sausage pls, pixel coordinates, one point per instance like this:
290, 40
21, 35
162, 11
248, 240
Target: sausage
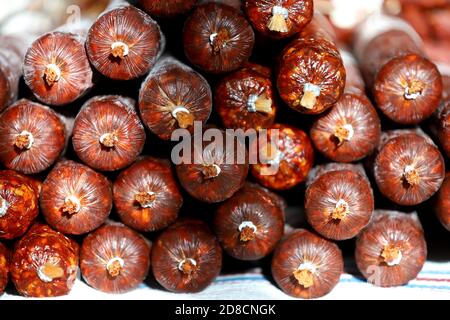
174, 96
18, 204
311, 74
246, 99
44, 263
56, 67
75, 199
167, 8
208, 174
217, 38
32, 137
351, 129
306, 265
186, 257
441, 125
114, 258
279, 18
392, 250
12, 52
285, 160
408, 167
339, 200
124, 42
406, 86
108, 134
250, 224
4, 267
443, 202
147, 196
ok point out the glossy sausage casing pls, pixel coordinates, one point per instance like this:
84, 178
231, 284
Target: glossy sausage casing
279, 18
251, 223
289, 164
408, 167
114, 258
167, 8
311, 75
57, 69
174, 96
307, 266
215, 170
351, 129
11, 60
391, 251
75, 199
217, 38
339, 200
124, 43
108, 134
44, 263
186, 257
147, 196
4, 267
32, 137
18, 204
441, 125
443, 203
406, 86
246, 99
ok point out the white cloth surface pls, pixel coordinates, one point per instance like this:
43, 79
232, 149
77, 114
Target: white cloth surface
432, 283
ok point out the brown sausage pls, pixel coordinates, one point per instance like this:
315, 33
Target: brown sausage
311, 74
406, 86
18, 204
351, 129
44, 263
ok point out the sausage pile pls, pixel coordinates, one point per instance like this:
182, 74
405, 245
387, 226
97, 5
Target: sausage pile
114, 162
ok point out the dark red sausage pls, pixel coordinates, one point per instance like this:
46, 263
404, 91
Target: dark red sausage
443, 202
57, 69
284, 160
251, 223
311, 74
186, 257
124, 43
32, 137
114, 258
441, 125
220, 170
18, 204
12, 52
217, 38
147, 196
391, 251
108, 134
339, 200
174, 96
167, 8
4, 267
75, 199
307, 266
246, 99
44, 263
351, 129
279, 18
406, 86
408, 168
